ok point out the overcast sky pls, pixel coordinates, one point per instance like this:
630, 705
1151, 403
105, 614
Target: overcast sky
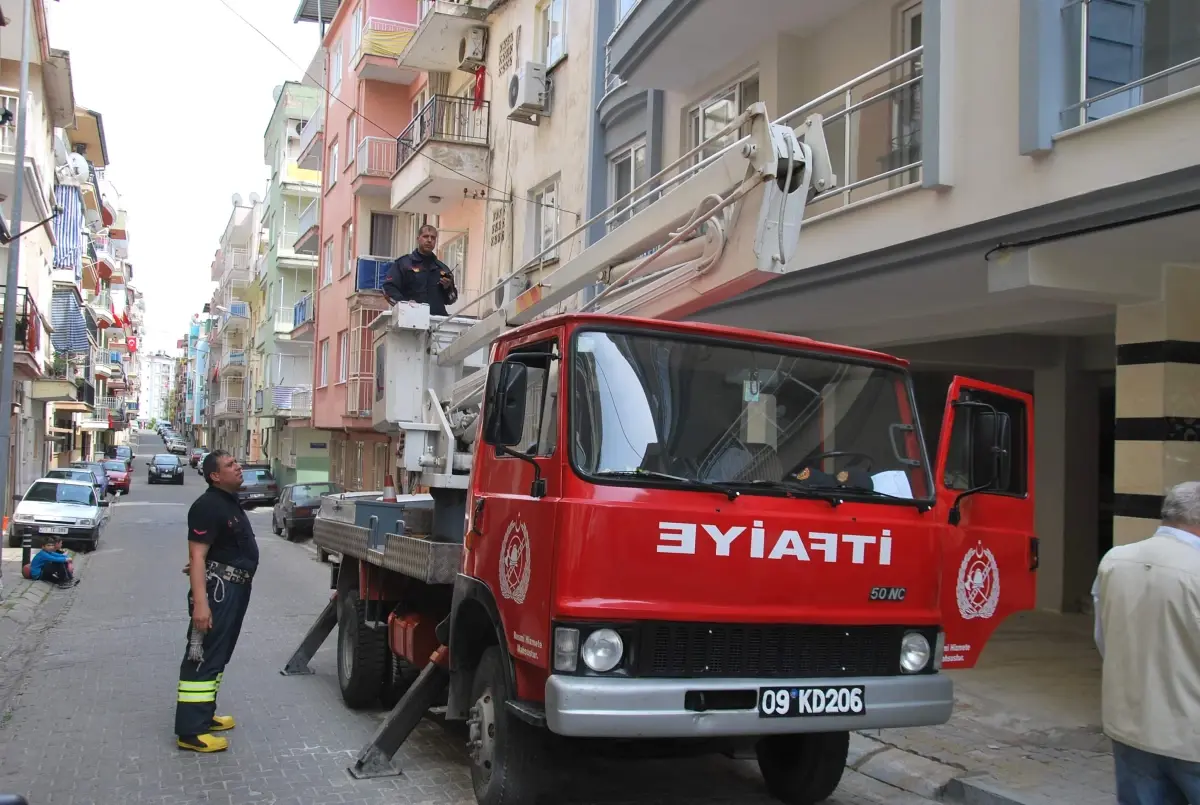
184, 89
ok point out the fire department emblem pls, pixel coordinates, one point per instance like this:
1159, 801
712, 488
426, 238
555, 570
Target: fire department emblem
978, 584
515, 567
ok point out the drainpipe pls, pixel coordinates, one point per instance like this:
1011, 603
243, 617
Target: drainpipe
14, 262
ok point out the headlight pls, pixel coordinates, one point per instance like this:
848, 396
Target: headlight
914, 652
23, 518
602, 650
87, 523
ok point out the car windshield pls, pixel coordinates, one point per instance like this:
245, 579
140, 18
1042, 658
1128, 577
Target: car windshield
753, 418
304, 492
73, 475
166, 460
124, 452
256, 477
47, 492
114, 466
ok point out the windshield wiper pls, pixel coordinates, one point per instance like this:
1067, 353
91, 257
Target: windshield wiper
791, 488
691, 483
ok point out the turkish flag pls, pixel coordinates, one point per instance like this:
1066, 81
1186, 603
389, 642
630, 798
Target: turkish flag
132, 343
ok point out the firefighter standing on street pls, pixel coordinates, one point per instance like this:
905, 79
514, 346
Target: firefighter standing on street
422, 278
222, 559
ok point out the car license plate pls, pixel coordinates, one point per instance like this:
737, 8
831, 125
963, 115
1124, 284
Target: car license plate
792, 702
256, 494
52, 530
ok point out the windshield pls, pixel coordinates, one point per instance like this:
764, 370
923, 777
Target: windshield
74, 475
256, 477
122, 452
114, 466
739, 414
43, 492
313, 491
166, 460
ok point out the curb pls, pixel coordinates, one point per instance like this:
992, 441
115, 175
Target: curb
925, 777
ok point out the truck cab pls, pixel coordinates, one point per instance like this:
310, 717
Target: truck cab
684, 531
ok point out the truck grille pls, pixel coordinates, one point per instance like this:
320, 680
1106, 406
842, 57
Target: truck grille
769, 651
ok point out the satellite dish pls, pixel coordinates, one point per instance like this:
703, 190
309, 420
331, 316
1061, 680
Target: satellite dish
237, 199
275, 93
78, 165
255, 198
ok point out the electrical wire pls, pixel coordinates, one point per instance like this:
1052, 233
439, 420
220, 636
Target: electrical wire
363, 117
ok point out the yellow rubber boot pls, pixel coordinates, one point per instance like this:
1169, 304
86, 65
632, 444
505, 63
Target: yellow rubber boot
203, 743
222, 723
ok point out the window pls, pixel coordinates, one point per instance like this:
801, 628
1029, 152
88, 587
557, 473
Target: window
333, 164
343, 356
552, 31
960, 475
383, 234
623, 8
454, 255
351, 138
545, 220
323, 365
356, 31
712, 115
627, 171
335, 68
327, 274
539, 436
348, 248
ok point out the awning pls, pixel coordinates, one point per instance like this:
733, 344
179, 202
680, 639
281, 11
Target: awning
70, 331
68, 230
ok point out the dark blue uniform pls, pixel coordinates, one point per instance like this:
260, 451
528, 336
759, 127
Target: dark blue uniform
417, 277
218, 520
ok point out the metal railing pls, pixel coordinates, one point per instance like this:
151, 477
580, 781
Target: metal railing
28, 333
229, 406
448, 118
282, 321
302, 311
376, 157
301, 402
312, 127
1095, 106
236, 357
309, 218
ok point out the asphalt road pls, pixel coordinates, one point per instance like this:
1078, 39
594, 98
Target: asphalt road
92, 720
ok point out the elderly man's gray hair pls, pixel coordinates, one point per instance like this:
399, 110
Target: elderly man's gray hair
1181, 506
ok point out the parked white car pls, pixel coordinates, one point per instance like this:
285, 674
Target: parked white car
69, 510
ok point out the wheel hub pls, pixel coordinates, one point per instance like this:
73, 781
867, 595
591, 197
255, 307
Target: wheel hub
481, 724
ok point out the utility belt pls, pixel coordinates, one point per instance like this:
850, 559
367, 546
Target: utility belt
229, 573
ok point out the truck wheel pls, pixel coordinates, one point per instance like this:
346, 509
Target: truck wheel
803, 769
362, 654
398, 676
506, 753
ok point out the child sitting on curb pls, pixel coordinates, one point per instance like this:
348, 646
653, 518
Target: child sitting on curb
53, 565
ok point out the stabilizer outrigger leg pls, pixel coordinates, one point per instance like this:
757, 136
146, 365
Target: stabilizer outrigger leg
326, 621
375, 760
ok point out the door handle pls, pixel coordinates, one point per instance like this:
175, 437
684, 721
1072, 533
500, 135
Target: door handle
1034, 553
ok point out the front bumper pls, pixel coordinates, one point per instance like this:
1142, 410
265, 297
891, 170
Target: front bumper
620, 707
74, 533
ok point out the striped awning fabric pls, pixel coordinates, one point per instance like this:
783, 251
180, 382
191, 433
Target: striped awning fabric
70, 330
68, 229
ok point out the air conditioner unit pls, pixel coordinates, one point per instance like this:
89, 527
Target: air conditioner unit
510, 290
472, 49
528, 98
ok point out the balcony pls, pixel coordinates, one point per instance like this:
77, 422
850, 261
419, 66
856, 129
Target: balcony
382, 43
276, 325
302, 316
233, 364
301, 404
452, 133
307, 242
374, 164
677, 45
28, 342
289, 402
37, 194
236, 316
312, 140
434, 45
229, 408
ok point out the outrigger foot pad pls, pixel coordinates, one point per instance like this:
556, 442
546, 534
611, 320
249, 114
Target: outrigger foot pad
326, 621
375, 760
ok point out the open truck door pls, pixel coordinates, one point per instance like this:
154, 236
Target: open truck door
985, 493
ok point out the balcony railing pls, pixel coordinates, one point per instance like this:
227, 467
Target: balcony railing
302, 311
309, 218
301, 402
379, 38
371, 273
448, 118
29, 323
376, 157
236, 357
229, 406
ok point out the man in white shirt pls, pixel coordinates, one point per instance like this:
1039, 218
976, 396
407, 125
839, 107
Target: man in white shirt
1147, 597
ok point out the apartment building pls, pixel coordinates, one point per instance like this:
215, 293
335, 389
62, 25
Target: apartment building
230, 339
1014, 187
283, 398
157, 375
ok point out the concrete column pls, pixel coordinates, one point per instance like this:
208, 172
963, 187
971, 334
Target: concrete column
1065, 410
1158, 402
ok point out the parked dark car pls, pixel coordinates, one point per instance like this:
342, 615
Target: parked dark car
97, 469
165, 468
298, 504
121, 452
259, 487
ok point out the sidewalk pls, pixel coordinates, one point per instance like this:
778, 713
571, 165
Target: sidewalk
1026, 725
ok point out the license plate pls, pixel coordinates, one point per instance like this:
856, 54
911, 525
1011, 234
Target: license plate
52, 530
257, 495
787, 702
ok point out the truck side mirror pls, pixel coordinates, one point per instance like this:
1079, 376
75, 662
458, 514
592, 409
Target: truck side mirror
991, 450
505, 402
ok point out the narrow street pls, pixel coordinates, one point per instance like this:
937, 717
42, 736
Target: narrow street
92, 720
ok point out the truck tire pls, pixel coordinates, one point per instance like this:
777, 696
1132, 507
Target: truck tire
362, 654
506, 753
803, 769
398, 676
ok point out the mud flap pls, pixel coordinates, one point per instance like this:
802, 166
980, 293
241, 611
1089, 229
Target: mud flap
990, 552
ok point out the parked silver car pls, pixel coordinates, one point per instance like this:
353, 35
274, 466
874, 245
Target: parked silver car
68, 510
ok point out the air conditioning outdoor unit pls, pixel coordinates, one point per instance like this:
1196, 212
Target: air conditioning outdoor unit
472, 49
510, 290
528, 96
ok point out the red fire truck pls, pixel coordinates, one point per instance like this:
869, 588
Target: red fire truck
634, 528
